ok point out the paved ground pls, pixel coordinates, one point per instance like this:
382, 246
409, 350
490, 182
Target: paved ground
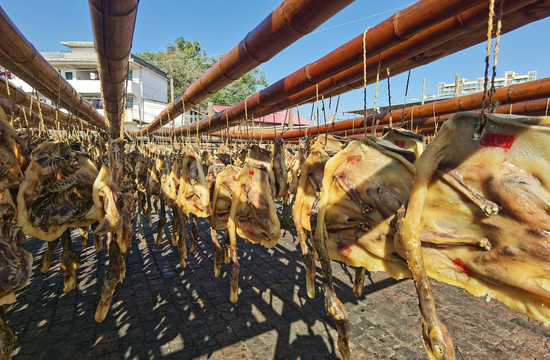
162, 311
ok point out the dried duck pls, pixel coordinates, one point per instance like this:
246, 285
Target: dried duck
253, 215
307, 197
363, 186
115, 194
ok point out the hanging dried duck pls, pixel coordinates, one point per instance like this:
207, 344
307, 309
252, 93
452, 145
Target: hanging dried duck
253, 215
170, 179
480, 208
142, 171
307, 197
57, 191
299, 160
16, 264
154, 184
115, 194
224, 187
363, 186
193, 191
405, 139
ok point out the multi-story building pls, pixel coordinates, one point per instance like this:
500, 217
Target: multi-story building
466, 86
146, 90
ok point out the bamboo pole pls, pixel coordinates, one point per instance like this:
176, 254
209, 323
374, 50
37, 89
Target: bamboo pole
113, 25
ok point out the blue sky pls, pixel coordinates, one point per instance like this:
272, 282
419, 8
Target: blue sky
219, 25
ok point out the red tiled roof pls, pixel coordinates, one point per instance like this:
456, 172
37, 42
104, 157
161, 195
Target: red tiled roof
277, 118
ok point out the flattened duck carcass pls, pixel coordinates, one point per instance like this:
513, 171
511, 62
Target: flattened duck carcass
363, 187
308, 192
142, 172
224, 187
405, 139
253, 215
299, 160
15, 269
193, 192
57, 191
115, 194
16, 265
280, 170
480, 205
10, 161
170, 179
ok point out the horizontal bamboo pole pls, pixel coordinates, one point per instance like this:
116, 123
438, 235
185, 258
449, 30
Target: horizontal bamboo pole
113, 25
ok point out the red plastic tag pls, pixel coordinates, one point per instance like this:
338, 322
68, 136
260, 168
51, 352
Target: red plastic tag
400, 143
344, 249
498, 140
462, 267
251, 172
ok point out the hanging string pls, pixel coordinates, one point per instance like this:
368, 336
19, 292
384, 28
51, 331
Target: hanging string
365, 77
317, 104
227, 127
41, 127
513, 104
335, 114
209, 136
324, 109
405, 101
246, 120
27, 120
329, 106
412, 117
298, 112
188, 125
183, 120
499, 27
7, 83
435, 119
546, 111
197, 139
389, 96
376, 90
487, 55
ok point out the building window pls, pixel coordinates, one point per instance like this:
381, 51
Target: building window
69, 75
130, 76
129, 102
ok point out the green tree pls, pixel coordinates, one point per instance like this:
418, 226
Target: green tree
185, 61
238, 90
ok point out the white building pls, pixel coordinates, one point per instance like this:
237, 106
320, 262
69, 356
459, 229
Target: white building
466, 86
147, 87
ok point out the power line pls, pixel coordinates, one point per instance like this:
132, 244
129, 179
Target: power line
363, 18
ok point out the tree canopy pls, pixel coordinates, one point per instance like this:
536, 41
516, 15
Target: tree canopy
185, 61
